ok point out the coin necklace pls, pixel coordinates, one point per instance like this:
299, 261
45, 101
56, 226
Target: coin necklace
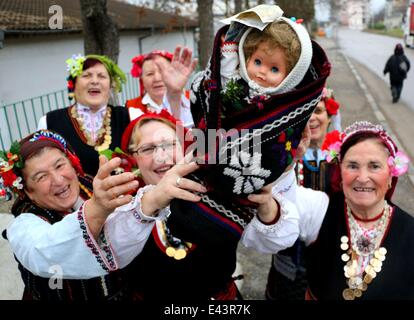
174, 247
363, 255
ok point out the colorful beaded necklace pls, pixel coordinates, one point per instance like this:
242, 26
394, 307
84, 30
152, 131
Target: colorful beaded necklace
104, 135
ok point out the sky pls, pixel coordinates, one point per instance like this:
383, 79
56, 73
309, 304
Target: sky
376, 5
322, 12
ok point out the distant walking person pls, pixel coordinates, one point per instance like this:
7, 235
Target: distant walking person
398, 66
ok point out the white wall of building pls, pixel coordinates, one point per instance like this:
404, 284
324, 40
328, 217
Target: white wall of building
358, 14
34, 66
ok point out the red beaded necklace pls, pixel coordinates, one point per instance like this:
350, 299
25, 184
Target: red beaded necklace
370, 219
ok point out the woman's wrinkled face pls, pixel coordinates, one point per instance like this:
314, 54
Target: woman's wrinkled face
152, 81
93, 87
319, 123
158, 150
51, 181
366, 176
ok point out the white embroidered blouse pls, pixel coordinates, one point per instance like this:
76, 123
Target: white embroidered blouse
40, 246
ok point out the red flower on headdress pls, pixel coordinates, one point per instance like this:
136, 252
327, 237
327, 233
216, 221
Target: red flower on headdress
70, 85
138, 61
332, 144
8, 178
331, 138
332, 106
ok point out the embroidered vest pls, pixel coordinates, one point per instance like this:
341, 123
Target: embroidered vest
62, 122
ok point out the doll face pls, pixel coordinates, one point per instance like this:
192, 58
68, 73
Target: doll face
267, 67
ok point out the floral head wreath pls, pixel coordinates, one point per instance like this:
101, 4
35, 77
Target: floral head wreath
397, 161
331, 105
74, 66
12, 161
138, 61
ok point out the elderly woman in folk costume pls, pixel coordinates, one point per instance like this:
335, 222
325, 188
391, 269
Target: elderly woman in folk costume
90, 124
357, 240
287, 275
162, 78
57, 238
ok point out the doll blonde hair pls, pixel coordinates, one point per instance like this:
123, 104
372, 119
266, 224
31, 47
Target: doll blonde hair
275, 35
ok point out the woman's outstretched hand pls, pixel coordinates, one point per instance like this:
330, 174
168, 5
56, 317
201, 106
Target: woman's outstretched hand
108, 193
172, 185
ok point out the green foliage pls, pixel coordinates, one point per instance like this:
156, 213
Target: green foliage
378, 26
15, 153
107, 153
232, 94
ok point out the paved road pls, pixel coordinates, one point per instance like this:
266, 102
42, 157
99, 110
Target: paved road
11, 285
355, 104
373, 51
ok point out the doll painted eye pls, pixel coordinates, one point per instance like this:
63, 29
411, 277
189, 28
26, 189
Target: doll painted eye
257, 62
275, 69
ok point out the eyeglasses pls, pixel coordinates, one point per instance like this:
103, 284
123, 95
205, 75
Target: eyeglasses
319, 110
149, 149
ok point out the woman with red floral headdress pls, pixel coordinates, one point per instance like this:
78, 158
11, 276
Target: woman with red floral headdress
162, 78
358, 241
57, 236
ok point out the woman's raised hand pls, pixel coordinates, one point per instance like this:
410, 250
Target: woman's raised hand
108, 193
176, 74
172, 185
109, 190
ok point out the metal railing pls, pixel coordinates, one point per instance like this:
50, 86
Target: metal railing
19, 119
